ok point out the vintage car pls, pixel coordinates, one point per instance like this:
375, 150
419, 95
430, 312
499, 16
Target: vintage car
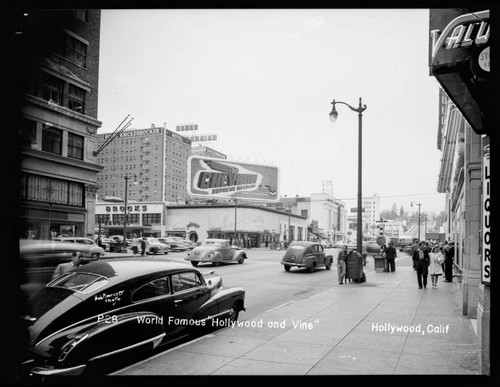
216, 251
309, 255
119, 307
90, 249
177, 243
39, 258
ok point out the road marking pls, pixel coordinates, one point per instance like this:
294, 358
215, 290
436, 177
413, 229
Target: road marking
280, 306
162, 353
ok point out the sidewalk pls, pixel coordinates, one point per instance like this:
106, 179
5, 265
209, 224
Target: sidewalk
384, 326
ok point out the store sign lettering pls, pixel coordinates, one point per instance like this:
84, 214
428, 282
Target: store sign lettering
463, 31
486, 237
132, 208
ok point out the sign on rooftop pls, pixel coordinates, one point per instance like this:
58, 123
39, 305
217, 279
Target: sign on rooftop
217, 178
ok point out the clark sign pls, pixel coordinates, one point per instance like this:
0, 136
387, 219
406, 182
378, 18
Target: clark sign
219, 178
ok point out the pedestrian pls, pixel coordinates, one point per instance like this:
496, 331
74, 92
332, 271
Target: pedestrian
76, 260
341, 262
449, 254
266, 243
414, 247
421, 260
143, 246
390, 255
435, 269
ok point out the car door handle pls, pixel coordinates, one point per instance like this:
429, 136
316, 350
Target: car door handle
178, 301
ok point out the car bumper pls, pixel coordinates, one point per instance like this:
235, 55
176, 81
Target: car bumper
51, 371
294, 264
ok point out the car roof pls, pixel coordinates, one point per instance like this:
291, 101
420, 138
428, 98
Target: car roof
120, 270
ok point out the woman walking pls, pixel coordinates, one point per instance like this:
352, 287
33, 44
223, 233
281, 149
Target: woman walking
435, 268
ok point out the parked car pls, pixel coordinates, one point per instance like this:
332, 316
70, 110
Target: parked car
121, 306
309, 255
109, 245
89, 247
39, 258
153, 246
178, 243
216, 251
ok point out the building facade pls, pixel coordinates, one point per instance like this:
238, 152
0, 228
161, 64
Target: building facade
58, 122
155, 157
459, 58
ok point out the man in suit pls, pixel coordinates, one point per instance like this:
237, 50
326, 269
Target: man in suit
390, 255
76, 260
421, 261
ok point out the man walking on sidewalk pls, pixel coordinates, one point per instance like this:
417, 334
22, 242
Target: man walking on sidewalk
390, 255
421, 262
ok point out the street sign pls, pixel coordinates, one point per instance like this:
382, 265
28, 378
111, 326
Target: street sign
230, 179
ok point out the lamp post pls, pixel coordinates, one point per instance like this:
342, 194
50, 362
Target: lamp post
417, 204
125, 215
333, 117
235, 219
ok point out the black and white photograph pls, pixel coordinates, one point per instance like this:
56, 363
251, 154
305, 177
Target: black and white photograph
218, 193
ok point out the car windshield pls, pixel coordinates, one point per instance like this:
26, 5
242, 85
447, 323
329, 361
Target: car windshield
80, 282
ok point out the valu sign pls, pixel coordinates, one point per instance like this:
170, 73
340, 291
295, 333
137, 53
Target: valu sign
218, 178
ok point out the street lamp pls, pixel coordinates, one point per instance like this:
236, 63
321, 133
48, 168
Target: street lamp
418, 204
125, 215
333, 117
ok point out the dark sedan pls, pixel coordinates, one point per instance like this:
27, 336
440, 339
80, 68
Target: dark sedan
120, 306
309, 255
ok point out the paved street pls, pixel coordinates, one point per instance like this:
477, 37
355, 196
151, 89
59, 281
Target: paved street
383, 326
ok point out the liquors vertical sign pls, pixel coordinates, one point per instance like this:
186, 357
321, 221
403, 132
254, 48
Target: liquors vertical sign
486, 253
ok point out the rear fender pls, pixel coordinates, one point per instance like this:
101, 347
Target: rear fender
108, 335
239, 254
222, 301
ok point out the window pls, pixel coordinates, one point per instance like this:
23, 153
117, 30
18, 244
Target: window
151, 219
51, 140
184, 281
156, 288
75, 146
28, 133
76, 99
45, 189
82, 14
52, 89
75, 51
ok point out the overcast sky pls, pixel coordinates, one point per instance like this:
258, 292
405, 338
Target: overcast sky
263, 82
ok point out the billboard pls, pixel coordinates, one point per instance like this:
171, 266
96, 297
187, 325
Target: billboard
229, 179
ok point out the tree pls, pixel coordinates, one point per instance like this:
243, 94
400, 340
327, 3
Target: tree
401, 212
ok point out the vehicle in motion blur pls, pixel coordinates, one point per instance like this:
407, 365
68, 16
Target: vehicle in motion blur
39, 258
216, 251
177, 243
114, 307
92, 250
309, 255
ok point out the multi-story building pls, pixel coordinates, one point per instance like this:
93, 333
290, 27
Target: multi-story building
156, 158
460, 62
371, 208
59, 55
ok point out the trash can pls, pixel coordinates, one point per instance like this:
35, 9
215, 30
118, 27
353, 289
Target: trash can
354, 267
380, 263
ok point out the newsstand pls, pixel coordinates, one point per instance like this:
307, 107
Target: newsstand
380, 264
354, 267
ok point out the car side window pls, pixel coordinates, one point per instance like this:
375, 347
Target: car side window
183, 281
320, 249
155, 288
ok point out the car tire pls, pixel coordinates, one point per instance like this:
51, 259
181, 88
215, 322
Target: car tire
194, 263
216, 263
96, 256
241, 260
311, 269
328, 266
234, 313
154, 251
287, 267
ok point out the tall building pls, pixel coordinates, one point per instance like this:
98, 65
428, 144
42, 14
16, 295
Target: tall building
57, 54
155, 159
371, 208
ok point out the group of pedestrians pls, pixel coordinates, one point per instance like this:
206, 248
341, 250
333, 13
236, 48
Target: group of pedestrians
434, 261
